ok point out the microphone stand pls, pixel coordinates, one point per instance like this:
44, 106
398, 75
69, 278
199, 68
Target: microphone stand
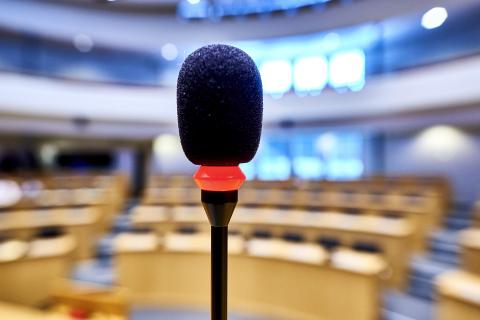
219, 206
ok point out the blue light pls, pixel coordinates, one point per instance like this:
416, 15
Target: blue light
308, 167
344, 169
193, 9
221, 8
434, 18
347, 70
248, 170
274, 168
331, 41
276, 77
333, 154
310, 74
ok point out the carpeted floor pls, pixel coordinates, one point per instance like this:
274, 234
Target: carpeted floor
172, 314
402, 306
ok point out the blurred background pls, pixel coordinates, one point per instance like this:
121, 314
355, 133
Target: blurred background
360, 202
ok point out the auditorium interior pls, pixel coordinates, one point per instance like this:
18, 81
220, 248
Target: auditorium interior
361, 203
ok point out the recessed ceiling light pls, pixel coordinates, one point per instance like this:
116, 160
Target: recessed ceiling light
83, 43
169, 52
434, 18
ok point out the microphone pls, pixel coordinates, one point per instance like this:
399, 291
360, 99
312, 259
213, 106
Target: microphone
220, 110
219, 104
219, 107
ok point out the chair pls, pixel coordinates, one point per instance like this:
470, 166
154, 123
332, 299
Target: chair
366, 247
329, 243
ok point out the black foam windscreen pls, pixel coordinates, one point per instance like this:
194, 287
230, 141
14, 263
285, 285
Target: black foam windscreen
219, 106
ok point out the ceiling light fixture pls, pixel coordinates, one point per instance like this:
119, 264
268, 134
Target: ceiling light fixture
434, 18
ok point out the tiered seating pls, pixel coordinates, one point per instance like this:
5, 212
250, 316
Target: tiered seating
108, 191
57, 221
390, 215
422, 201
271, 277
82, 205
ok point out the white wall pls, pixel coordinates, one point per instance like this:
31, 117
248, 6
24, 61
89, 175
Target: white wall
438, 150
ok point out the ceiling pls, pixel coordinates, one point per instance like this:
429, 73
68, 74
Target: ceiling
48, 106
151, 30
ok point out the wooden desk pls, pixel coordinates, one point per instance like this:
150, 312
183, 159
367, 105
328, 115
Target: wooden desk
470, 254
106, 303
111, 302
16, 312
278, 288
171, 196
80, 222
28, 279
102, 198
64, 198
459, 296
392, 236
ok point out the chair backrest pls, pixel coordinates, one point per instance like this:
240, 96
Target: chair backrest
329, 243
366, 247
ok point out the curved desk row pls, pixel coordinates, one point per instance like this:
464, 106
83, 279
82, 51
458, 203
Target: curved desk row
83, 223
392, 236
63, 198
387, 201
45, 199
405, 184
281, 287
425, 212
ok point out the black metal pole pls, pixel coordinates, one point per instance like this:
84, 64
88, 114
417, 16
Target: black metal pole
219, 273
219, 206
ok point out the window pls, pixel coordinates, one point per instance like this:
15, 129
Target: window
347, 70
310, 74
327, 155
276, 77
